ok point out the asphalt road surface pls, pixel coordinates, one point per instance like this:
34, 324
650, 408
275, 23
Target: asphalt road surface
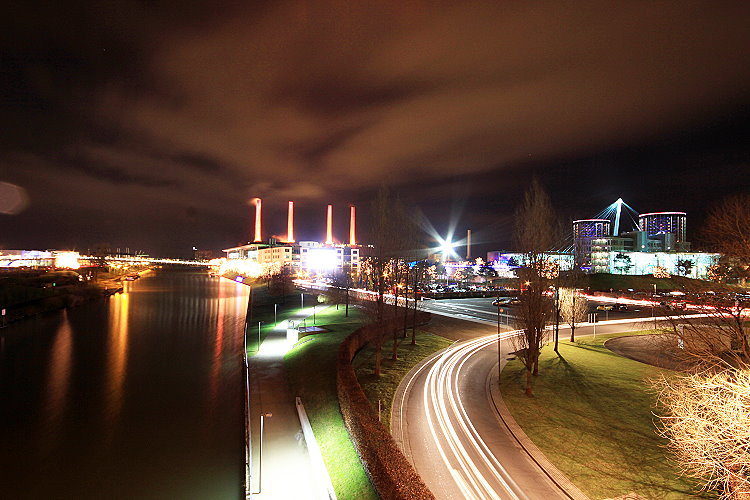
481, 310
446, 424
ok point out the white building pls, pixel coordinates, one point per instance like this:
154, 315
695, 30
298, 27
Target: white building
690, 264
310, 256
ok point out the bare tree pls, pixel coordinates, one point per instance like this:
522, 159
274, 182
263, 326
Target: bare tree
534, 236
728, 227
281, 282
341, 283
705, 412
707, 423
389, 239
573, 309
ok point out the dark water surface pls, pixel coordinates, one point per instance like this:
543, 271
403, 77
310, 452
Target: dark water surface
135, 396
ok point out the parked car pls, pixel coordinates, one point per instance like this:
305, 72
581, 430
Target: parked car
673, 306
506, 301
605, 307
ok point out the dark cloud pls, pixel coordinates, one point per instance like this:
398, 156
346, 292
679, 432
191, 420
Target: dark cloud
208, 104
95, 168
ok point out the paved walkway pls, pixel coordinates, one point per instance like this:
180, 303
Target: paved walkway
284, 471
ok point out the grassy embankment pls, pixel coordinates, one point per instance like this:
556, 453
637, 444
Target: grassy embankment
263, 312
606, 281
383, 388
591, 416
311, 368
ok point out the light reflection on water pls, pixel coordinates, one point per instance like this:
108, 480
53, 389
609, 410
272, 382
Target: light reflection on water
59, 376
136, 396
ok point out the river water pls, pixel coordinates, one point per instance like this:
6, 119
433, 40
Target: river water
136, 396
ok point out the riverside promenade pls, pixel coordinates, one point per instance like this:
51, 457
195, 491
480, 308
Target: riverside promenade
284, 470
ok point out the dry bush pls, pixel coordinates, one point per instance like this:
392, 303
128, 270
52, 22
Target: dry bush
707, 421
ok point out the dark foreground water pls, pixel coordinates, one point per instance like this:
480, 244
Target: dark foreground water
136, 396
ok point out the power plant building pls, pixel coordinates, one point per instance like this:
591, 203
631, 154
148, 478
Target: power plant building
311, 256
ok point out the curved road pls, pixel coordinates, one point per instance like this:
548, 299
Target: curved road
445, 422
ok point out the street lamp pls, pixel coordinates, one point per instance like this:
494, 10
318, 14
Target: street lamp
260, 451
499, 348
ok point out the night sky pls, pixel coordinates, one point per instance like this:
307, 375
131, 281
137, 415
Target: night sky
151, 126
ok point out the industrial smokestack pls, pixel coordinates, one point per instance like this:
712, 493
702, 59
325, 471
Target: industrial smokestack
290, 223
468, 244
352, 222
329, 226
258, 236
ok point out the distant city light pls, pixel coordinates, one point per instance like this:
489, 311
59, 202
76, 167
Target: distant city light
67, 260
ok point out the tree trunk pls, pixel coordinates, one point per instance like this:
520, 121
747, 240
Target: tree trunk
414, 314
378, 349
346, 314
406, 307
529, 391
573, 332
557, 326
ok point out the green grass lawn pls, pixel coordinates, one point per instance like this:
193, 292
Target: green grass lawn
591, 416
383, 388
311, 368
263, 312
605, 281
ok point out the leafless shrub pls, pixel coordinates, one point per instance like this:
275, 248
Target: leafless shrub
707, 421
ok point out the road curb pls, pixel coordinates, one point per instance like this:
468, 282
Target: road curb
536, 455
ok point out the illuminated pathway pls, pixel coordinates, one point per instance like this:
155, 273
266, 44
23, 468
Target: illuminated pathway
446, 423
285, 464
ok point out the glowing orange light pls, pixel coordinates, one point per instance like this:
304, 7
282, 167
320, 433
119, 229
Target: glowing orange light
257, 220
290, 224
329, 226
352, 221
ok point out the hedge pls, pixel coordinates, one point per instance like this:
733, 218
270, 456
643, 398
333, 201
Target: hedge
390, 472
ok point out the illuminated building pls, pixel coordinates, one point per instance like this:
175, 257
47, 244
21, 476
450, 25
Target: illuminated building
306, 255
640, 263
310, 256
505, 263
36, 258
657, 233
584, 232
657, 223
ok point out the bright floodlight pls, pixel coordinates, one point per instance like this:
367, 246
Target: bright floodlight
321, 259
446, 248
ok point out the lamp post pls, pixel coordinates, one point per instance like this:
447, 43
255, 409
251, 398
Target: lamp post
260, 450
499, 347
274, 313
302, 300
653, 302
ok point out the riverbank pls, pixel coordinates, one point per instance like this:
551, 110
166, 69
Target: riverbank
24, 295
